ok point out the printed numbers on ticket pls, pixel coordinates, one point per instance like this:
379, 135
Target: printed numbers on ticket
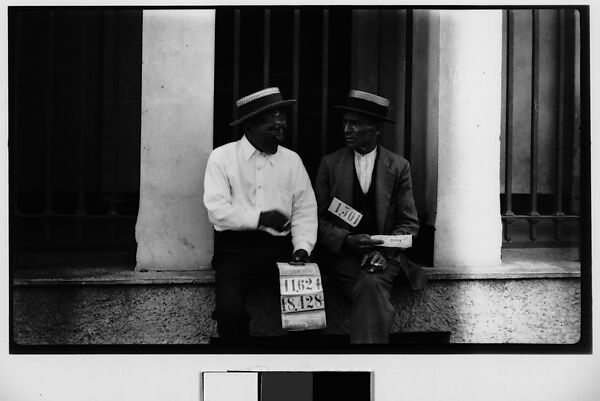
345, 212
291, 285
299, 303
302, 300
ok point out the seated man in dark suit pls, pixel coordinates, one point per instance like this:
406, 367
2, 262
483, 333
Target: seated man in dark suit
376, 183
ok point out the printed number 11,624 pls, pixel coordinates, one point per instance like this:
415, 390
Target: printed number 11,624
301, 284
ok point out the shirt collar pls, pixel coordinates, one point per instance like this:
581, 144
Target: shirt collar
369, 155
248, 150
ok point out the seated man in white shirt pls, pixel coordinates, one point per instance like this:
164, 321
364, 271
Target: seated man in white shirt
262, 206
377, 183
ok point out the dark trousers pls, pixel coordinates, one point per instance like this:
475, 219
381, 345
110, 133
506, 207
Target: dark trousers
372, 312
243, 260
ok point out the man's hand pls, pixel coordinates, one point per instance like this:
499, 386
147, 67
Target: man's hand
300, 256
374, 262
361, 242
274, 219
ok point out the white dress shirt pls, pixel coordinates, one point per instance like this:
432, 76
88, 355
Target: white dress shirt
364, 168
241, 182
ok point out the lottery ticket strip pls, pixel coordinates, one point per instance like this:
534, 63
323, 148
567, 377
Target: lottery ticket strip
302, 299
394, 241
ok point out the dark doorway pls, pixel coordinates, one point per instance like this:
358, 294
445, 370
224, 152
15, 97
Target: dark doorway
305, 52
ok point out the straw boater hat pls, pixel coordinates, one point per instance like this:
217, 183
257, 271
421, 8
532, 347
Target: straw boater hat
367, 103
259, 102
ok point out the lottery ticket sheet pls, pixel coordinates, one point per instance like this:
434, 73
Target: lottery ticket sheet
302, 300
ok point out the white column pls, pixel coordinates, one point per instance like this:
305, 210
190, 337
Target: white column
468, 224
172, 230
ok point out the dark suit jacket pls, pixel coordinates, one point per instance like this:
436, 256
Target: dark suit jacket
394, 203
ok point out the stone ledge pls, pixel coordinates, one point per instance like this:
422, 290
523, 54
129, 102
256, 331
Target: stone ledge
533, 271
519, 263
110, 276
530, 263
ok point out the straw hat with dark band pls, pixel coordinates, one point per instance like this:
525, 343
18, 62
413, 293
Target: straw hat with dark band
259, 102
367, 103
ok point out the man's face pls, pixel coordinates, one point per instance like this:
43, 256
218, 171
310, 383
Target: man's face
360, 132
267, 133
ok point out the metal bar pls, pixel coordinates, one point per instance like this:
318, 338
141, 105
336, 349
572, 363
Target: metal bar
508, 161
541, 244
115, 115
296, 78
73, 216
560, 112
100, 131
236, 67
82, 130
267, 47
541, 217
16, 32
49, 126
575, 44
408, 85
114, 118
535, 77
324, 81
379, 65
508, 165
16, 110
